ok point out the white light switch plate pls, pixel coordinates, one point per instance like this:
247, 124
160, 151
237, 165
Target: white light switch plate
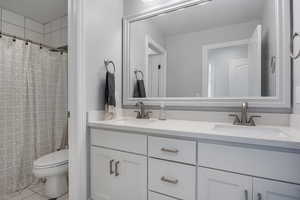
298, 94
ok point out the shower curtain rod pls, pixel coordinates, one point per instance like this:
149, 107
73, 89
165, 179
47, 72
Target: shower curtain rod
32, 42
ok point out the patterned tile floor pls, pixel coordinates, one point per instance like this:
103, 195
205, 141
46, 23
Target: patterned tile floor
34, 192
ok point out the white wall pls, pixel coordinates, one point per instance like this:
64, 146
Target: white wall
184, 71
103, 40
138, 32
219, 59
53, 33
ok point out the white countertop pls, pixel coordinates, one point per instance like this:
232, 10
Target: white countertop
273, 136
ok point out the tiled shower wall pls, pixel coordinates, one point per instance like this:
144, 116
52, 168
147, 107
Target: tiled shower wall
53, 33
56, 32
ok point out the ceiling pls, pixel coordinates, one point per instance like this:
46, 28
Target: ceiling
214, 14
42, 11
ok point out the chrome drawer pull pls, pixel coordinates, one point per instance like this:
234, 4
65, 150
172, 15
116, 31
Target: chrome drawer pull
111, 171
167, 180
117, 168
169, 150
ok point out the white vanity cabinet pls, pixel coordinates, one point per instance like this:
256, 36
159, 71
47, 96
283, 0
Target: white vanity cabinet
156, 196
216, 185
228, 171
172, 167
115, 174
138, 166
103, 183
274, 190
171, 149
173, 179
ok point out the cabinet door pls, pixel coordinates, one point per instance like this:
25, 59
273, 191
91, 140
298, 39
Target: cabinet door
103, 182
272, 190
217, 185
132, 177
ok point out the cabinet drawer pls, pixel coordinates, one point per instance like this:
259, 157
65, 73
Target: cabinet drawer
155, 196
118, 140
172, 149
270, 164
173, 179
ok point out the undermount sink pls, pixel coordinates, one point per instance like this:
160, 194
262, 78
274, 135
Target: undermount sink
133, 121
249, 131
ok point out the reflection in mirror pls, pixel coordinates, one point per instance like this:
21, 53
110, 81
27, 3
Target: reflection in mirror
218, 49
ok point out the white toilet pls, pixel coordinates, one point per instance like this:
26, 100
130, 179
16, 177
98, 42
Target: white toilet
54, 168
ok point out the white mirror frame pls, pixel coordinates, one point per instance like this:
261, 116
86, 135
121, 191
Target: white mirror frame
279, 103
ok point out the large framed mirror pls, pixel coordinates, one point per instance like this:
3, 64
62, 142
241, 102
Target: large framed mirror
209, 54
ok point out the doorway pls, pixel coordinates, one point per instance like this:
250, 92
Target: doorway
156, 57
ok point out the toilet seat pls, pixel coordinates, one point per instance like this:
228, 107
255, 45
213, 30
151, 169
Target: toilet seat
54, 159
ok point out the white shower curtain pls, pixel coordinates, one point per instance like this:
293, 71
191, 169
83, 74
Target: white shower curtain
33, 107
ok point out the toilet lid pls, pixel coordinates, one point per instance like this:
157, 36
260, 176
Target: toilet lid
52, 159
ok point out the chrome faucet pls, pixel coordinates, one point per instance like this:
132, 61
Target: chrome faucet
244, 113
244, 121
142, 113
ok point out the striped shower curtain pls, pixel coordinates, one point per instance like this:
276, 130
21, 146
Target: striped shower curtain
33, 106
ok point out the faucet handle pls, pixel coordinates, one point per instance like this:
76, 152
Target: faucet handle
138, 114
147, 114
251, 120
236, 119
